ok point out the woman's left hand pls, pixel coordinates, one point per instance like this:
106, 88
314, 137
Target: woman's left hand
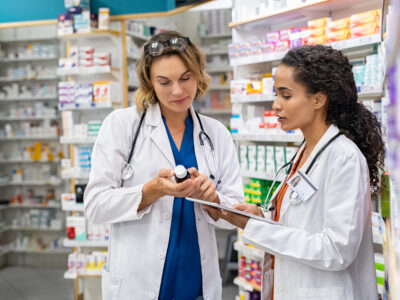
240, 220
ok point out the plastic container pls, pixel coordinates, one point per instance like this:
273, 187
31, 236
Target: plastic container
104, 18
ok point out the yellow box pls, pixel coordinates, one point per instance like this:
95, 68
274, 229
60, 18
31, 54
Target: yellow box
312, 24
371, 16
366, 29
339, 35
338, 25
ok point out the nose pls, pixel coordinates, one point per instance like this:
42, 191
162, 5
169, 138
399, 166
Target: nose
276, 105
177, 89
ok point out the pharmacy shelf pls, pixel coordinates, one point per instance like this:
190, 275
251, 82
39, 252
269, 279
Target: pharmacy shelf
282, 138
25, 59
133, 85
95, 35
74, 175
248, 251
38, 118
139, 37
257, 175
36, 206
26, 161
304, 10
132, 57
225, 87
215, 111
33, 251
44, 78
246, 285
261, 58
30, 40
29, 138
27, 99
217, 52
69, 275
216, 36
4, 252
78, 140
21, 228
4, 229
219, 69
252, 98
82, 71
370, 95
85, 108
85, 244
34, 183
345, 45
72, 207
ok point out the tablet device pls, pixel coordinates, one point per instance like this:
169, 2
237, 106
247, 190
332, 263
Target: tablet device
236, 211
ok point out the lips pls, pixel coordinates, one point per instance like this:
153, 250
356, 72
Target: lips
179, 101
280, 119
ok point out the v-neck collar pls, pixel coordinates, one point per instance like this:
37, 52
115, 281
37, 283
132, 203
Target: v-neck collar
187, 125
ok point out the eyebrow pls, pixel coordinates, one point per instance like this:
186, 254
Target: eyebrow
163, 77
282, 88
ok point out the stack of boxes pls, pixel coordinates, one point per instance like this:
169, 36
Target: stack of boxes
366, 23
264, 159
318, 31
86, 263
250, 270
256, 191
84, 57
98, 94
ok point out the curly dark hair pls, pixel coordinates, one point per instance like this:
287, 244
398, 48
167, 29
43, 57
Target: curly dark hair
324, 69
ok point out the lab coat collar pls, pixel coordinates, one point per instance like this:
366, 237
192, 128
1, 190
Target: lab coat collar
329, 133
160, 137
159, 134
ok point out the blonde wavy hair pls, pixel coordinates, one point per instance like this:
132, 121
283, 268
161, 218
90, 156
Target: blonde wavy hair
192, 57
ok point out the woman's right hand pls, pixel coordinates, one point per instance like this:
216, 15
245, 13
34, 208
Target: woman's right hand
162, 185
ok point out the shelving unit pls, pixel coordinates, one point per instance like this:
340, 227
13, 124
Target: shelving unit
28, 83
104, 41
246, 28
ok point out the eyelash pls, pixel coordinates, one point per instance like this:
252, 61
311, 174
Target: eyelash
166, 83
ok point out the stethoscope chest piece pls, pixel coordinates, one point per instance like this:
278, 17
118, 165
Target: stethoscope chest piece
127, 172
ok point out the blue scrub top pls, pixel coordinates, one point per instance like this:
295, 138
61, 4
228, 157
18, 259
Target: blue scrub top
182, 278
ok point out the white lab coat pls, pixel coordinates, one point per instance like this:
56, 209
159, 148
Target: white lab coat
323, 248
139, 240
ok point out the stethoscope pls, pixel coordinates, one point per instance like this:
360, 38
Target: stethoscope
127, 171
293, 195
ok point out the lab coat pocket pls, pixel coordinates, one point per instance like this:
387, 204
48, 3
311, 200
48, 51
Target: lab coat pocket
332, 293
110, 285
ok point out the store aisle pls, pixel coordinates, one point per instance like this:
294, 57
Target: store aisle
24, 283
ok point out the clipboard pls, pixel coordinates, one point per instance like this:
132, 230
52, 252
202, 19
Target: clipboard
236, 211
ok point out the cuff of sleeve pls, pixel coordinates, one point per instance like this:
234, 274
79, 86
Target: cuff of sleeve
140, 214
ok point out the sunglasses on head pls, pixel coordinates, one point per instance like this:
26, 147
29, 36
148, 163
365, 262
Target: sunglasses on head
157, 48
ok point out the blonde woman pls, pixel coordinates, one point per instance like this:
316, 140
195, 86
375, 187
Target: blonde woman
163, 246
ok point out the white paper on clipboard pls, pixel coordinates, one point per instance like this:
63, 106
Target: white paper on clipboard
236, 211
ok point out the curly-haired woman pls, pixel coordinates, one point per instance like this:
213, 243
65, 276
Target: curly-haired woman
321, 243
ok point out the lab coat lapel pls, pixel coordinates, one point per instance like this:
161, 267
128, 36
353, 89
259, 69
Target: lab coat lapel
330, 133
159, 134
201, 163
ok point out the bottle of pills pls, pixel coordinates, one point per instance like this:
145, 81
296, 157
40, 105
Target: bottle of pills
104, 18
181, 173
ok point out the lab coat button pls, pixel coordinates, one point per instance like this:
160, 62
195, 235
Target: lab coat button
280, 288
204, 258
152, 295
279, 259
161, 255
166, 216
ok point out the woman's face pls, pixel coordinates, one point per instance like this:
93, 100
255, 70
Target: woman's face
173, 83
294, 107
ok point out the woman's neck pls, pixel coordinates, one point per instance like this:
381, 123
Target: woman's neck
173, 119
313, 133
